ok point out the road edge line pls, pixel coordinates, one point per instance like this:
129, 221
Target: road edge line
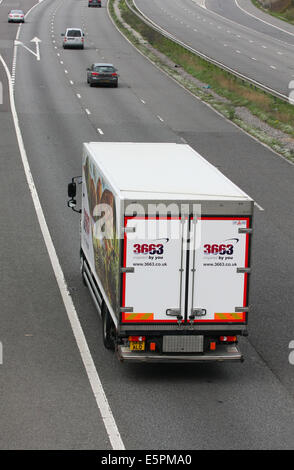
95, 382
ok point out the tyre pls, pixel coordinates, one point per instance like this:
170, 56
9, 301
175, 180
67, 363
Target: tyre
91, 84
115, 85
108, 329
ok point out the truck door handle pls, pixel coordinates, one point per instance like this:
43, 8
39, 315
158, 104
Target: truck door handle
198, 312
174, 312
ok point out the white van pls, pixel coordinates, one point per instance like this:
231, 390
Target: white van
73, 37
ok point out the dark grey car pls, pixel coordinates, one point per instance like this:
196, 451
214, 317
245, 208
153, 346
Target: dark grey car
102, 74
94, 3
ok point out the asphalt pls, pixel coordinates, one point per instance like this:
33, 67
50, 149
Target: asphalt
47, 400
225, 33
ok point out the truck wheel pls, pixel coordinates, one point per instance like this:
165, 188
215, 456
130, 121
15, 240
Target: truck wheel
108, 328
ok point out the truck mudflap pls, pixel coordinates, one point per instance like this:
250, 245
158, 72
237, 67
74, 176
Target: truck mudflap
228, 352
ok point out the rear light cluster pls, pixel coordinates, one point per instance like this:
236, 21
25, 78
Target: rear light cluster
228, 339
136, 338
223, 340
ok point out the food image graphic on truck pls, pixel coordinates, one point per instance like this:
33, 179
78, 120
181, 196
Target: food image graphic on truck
165, 253
106, 248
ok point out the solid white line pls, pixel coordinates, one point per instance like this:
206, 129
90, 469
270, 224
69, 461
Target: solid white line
263, 21
78, 95
94, 379
100, 131
71, 82
160, 118
87, 111
204, 56
273, 152
142, 101
97, 388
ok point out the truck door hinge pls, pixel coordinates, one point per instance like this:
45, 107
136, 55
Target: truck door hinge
241, 309
127, 270
244, 270
127, 309
245, 230
129, 229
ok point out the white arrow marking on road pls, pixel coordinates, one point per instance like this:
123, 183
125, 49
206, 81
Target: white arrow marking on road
36, 41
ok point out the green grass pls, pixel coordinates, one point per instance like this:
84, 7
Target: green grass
233, 91
286, 14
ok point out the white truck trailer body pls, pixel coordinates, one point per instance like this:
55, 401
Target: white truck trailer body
165, 251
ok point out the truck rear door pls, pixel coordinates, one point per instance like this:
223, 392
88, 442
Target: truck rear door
185, 270
218, 269
155, 290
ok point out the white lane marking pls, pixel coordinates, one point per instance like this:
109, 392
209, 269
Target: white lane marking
61, 62
264, 47
263, 21
253, 58
65, 71
78, 95
255, 82
34, 40
271, 151
258, 206
94, 379
71, 82
273, 67
160, 118
142, 101
238, 52
100, 131
87, 111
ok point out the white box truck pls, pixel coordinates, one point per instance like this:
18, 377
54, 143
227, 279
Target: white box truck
165, 251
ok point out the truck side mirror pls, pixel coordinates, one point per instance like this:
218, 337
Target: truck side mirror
72, 190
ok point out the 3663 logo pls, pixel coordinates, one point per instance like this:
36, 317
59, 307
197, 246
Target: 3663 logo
148, 249
222, 248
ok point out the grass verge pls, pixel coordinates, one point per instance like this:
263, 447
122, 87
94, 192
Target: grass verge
286, 14
222, 90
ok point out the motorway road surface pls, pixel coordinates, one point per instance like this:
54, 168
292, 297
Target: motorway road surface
226, 33
46, 399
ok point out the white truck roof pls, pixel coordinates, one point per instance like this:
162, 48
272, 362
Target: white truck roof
162, 170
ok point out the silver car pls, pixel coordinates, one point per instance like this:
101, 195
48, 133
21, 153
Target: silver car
16, 16
105, 74
73, 37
